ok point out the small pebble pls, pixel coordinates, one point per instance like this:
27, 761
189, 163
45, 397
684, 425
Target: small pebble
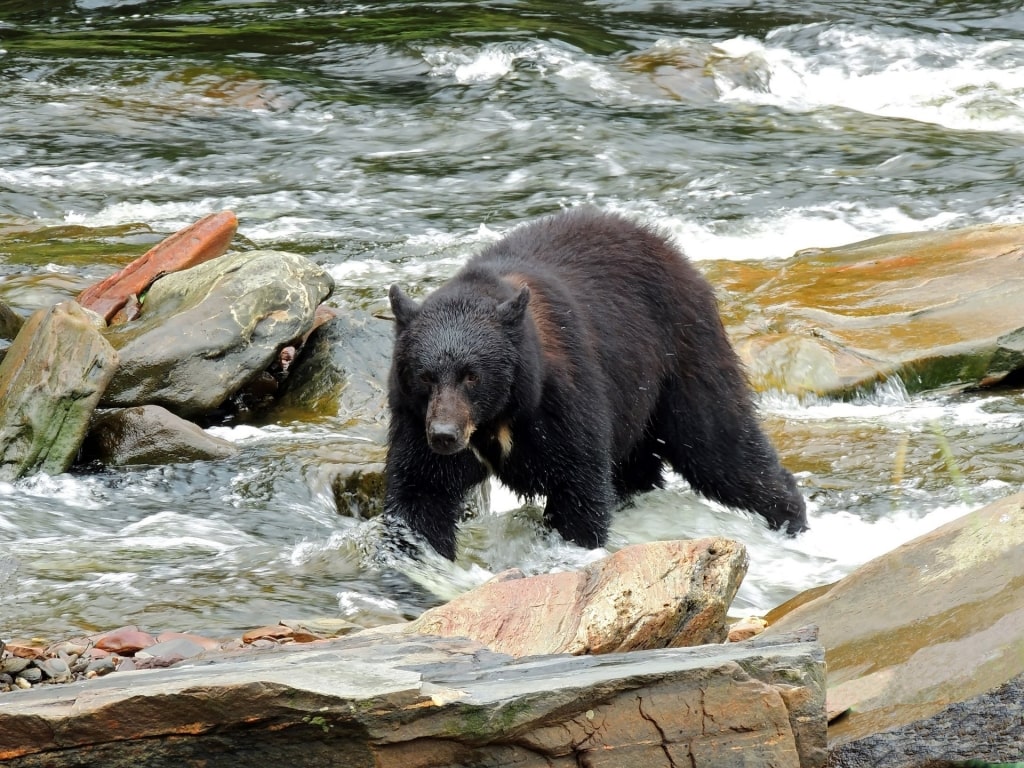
100, 667
32, 674
12, 665
22, 683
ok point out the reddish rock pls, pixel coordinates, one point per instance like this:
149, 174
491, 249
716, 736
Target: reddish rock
208, 643
26, 649
276, 632
207, 239
664, 594
124, 640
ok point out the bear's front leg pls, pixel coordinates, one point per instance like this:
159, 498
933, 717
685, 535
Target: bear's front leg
424, 490
581, 514
580, 494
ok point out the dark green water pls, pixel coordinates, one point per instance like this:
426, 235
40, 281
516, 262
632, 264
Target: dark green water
387, 141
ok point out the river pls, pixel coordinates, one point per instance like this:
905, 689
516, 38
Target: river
387, 141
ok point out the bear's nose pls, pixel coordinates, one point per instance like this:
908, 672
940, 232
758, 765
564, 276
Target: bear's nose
443, 437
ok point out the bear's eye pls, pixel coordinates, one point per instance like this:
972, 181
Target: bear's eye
470, 378
427, 378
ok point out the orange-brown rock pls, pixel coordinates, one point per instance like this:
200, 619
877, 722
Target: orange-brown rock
124, 640
936, 309
664, 594
207, 239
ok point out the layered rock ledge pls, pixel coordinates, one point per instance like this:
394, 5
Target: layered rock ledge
426, 702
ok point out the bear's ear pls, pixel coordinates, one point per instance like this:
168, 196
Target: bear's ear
511, 312
402, 306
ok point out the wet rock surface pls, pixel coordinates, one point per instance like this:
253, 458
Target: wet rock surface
936, 621
425, 702
51, 380
208, 331
983, 730
149, 434
937, 309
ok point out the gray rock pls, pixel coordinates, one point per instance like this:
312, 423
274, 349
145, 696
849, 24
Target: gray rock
31, 675
206, 332
988, 729
54, 669
99, 667
50, 382
426, 702
176, 649
342, 371
149, 434
12, 665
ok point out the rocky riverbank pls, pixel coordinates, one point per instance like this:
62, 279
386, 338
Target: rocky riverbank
931, 675
921, 644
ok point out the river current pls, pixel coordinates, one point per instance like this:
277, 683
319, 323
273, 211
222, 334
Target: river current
389, 140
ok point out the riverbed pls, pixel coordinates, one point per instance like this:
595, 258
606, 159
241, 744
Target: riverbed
389, 141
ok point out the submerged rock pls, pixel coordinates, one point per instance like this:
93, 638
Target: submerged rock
209, 330
664, 594
149, 434
936, 621
427, 702
936, 309
50, 382
342, 371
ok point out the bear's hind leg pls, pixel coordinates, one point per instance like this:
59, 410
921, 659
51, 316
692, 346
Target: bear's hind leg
714, 440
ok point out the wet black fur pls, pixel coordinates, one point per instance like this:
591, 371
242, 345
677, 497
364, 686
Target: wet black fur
612, 362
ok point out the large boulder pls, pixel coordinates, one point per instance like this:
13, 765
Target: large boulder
342, 372
51, 379
421, 702
657, 595
937, 621
205, 332
936, 309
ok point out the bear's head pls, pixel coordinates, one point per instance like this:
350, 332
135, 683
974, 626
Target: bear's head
456, 360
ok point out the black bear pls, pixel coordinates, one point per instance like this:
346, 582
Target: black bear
572, 359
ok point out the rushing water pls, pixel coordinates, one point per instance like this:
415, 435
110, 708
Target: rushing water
387, 141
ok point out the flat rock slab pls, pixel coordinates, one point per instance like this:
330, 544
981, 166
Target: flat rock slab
428, 702
937, 309
936, 621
